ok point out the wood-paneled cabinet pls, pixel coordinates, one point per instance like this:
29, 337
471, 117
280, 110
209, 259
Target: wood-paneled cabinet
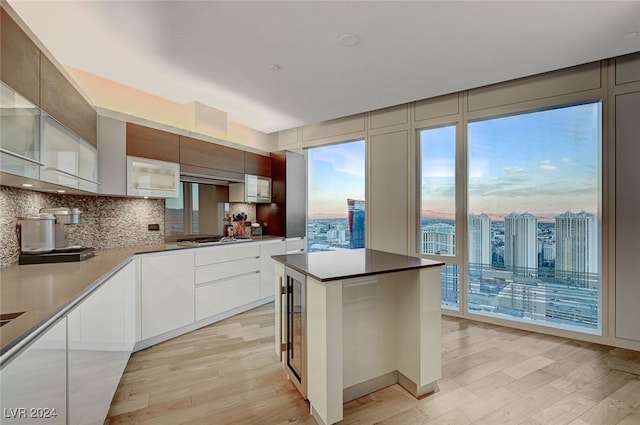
257, 165
146, 142
60, 99
200, 157
20, 63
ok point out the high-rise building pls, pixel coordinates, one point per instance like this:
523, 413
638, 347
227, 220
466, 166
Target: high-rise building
356, 222
479, 239
439, 238
521, 244
576, 249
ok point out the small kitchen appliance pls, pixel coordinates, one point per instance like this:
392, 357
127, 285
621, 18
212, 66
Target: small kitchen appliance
37, 233
43, 238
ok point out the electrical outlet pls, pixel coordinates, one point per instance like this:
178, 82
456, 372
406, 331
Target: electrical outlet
153, 227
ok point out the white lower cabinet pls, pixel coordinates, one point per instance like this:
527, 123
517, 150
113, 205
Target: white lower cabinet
266, 266
224, 295
101, 333
34, 385
167, 293
294, 245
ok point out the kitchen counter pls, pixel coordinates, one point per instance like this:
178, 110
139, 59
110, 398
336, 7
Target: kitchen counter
328, 266
44, 292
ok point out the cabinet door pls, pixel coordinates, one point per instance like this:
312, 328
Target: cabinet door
267, 266
20, 64
258, 165
63, 102
224, 295
627, 213
210, 155
145, 142
34, 384
167, 293
19, 134
101, 335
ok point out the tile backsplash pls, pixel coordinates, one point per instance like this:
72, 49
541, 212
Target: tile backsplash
106, 222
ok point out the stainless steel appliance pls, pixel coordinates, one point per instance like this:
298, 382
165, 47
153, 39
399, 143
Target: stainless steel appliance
44, 240
63, 216
295, 329
37, 233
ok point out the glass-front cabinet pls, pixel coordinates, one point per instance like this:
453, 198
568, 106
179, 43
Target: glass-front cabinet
19, 134
68, 159
151, 177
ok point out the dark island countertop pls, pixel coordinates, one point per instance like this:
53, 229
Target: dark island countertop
326, 266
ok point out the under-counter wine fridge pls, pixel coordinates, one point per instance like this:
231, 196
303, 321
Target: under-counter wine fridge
295, 329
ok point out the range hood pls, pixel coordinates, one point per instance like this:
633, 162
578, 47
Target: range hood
207, 179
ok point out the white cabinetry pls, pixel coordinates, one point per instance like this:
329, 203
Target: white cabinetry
112, 154
34, 385
151, 177
101, 337
227, 277
268, 249
167, 293
294, 245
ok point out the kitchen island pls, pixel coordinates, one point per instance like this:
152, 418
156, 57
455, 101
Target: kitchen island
370, 319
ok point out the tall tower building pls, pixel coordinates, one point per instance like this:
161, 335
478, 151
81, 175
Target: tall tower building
576, 249
356, 222
439, 238
479, 239
521, 244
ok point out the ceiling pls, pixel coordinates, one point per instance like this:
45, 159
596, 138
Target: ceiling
219, 53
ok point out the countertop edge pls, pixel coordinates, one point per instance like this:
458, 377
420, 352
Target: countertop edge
14, 347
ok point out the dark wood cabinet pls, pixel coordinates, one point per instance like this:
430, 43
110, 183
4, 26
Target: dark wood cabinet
20, 62
198, 153
257, 165
60, 99
146, 142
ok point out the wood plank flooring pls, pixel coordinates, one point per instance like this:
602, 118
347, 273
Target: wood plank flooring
227, 373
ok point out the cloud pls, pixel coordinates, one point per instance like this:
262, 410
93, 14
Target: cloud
513, 170
547, 166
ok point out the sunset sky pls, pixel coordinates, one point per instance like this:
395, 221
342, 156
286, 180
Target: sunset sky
544, 163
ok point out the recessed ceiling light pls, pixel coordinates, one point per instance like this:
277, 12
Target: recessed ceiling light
27, 185
146, 197
630, 35
274, 67
61, 191
348, 40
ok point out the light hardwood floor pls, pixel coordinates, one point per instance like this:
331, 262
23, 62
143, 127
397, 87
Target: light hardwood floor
227, 373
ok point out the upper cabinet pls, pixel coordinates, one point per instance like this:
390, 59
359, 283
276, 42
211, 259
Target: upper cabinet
20, 64
19, 134
200, 157
257, 165
68, 159
145, 142
63, 102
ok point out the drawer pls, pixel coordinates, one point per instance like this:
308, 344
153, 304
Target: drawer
222, 253
225, 295
226, 270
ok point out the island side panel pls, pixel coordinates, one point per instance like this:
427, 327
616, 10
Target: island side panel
369, 338
418, 348
430, 329
278, 281
324, 350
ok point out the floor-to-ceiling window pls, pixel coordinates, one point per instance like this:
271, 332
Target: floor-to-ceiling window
438, 206
335, 196
534, 233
